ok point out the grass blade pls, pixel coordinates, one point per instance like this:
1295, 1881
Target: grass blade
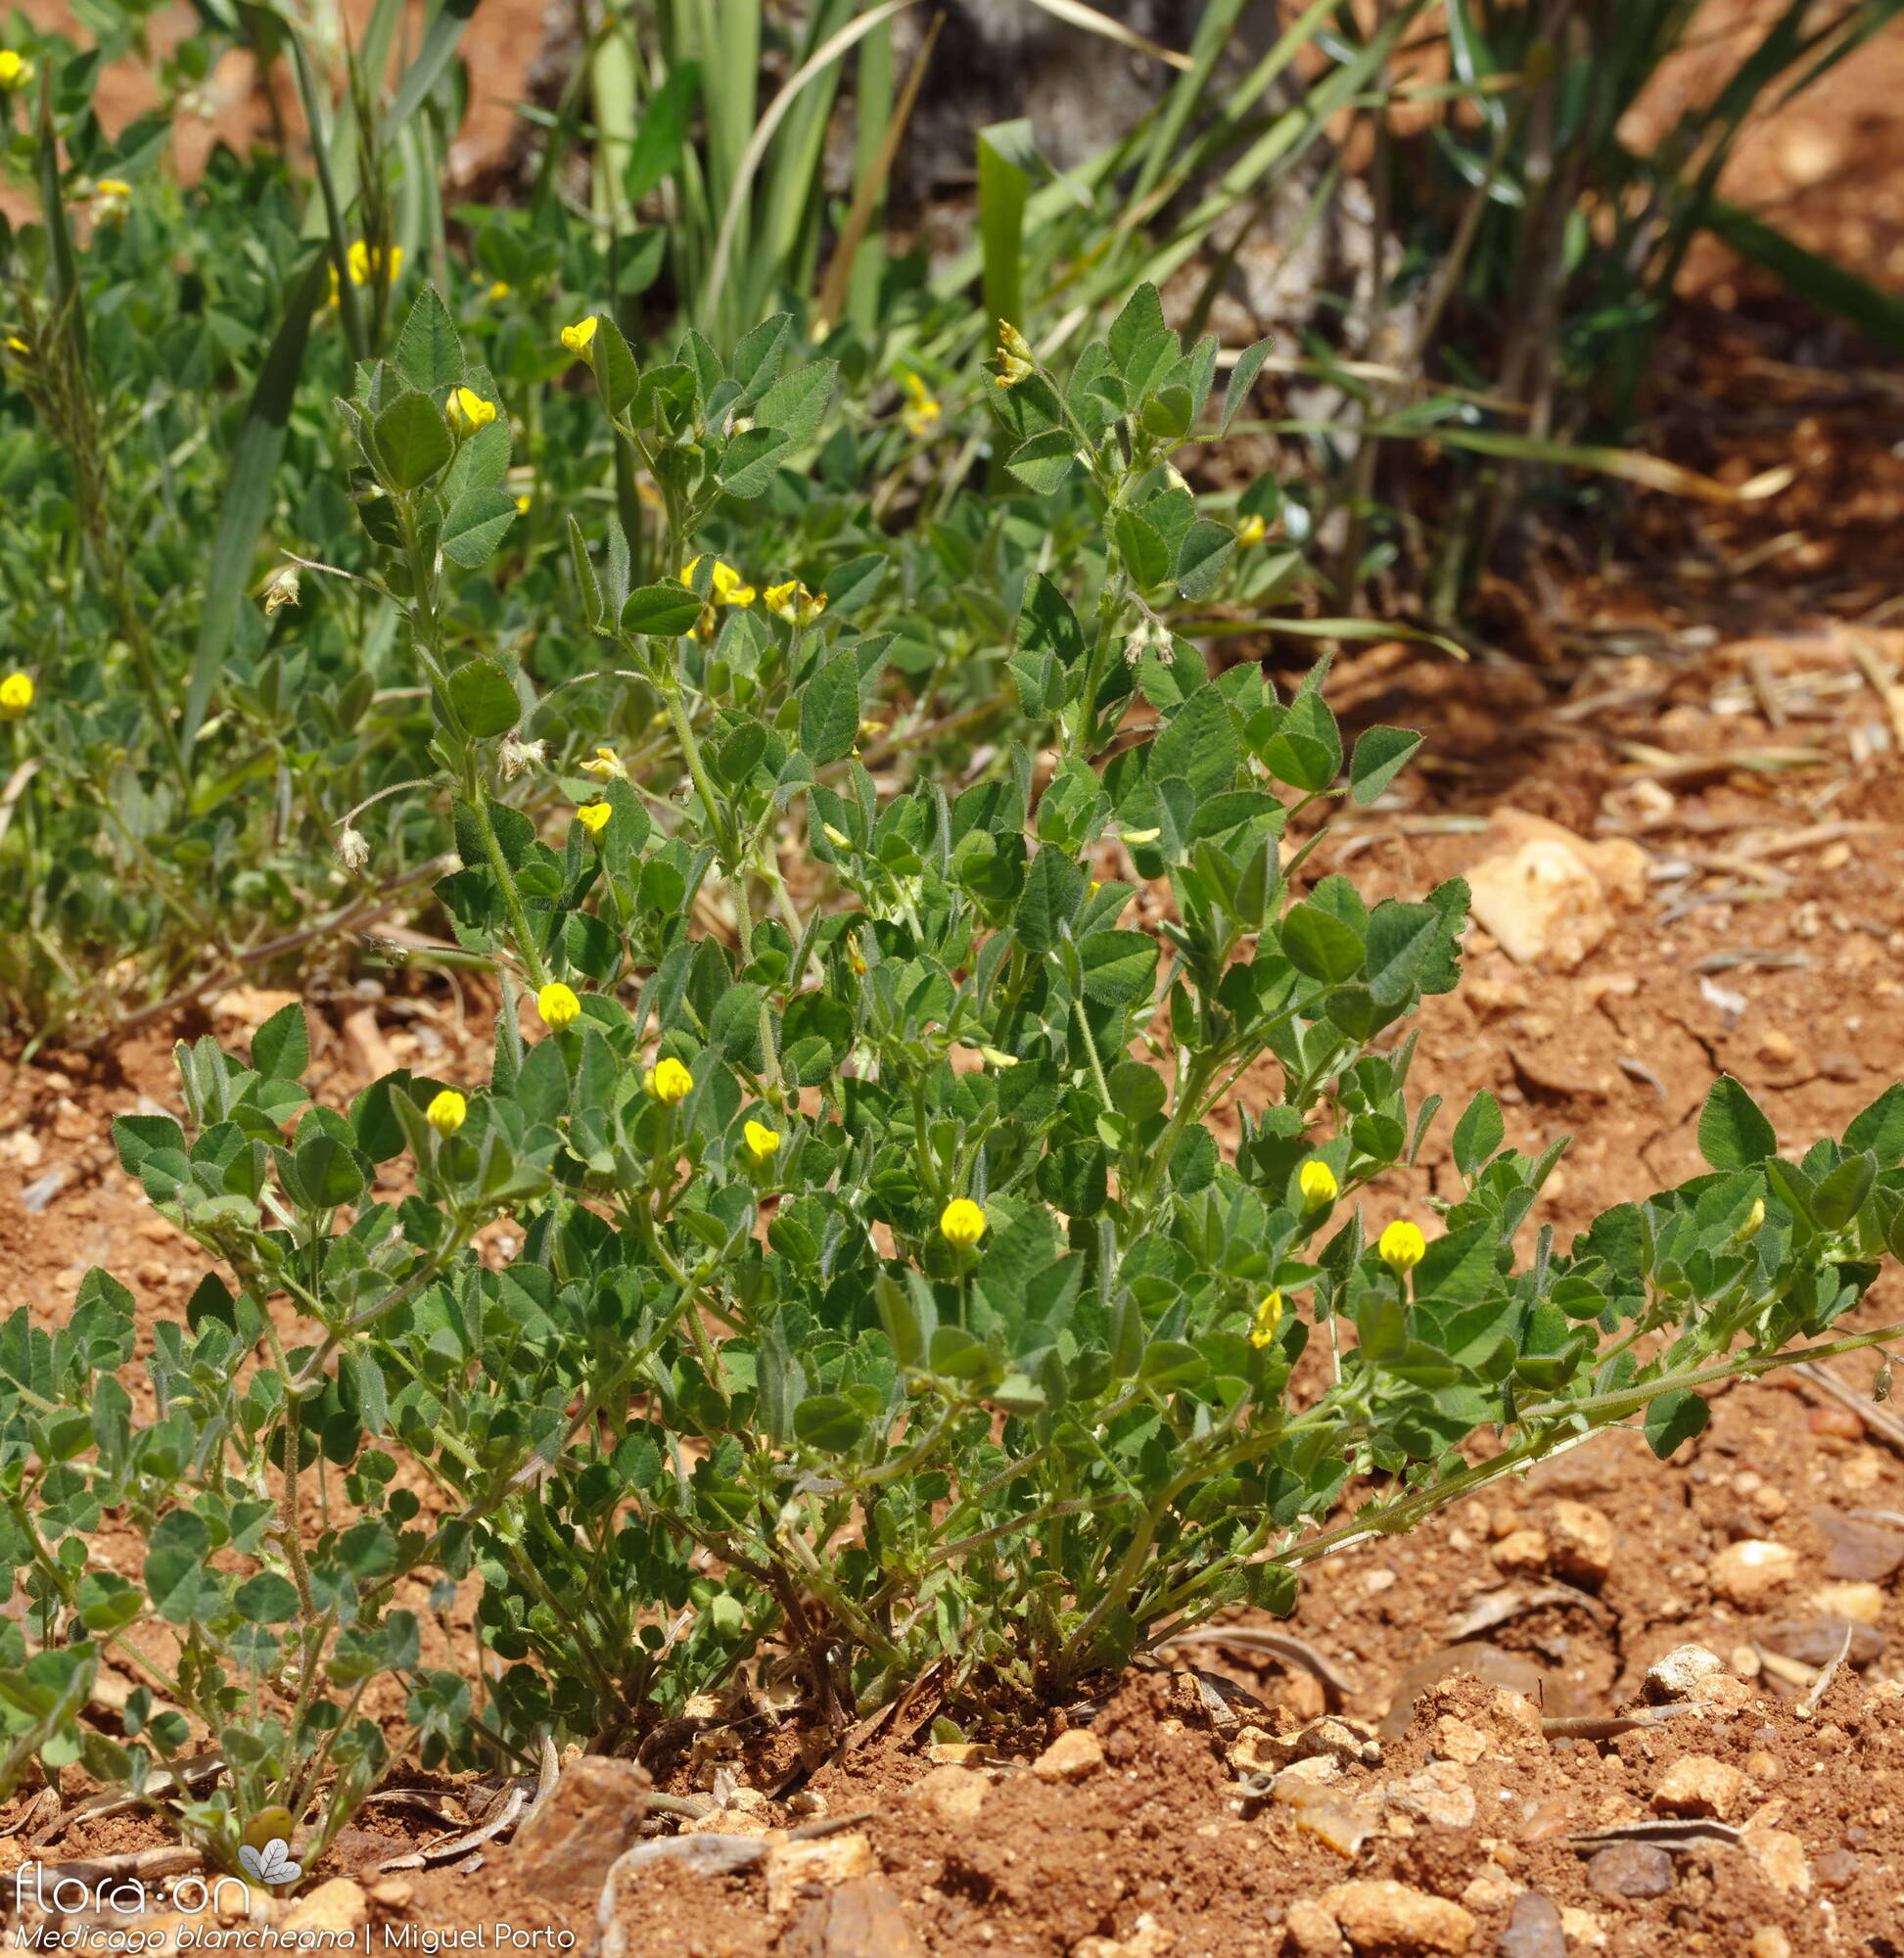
1077, 15
1877, 314
63, 268
793, 194
822, 58
873, 162
248, 495
1003, 185
440, 41
850, 283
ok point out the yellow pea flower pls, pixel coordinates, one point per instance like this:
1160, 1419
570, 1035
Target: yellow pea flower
364, 265
1754, 1217
17, 345
381, 265
669, 1081
594, 816
607, 763
762, 1142
921, 413
522, 502
576, 338
962, 1223
1252, 530
1269, 1316
16, 695
500, 288
447, 1113
112, 187
724, 586
1318, 1184
794, 603
469, 412
558, 1005
16, 70
1400, 1246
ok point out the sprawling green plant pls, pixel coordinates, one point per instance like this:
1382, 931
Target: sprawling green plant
840, 1272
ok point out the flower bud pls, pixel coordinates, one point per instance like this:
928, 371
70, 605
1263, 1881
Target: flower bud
668, 1082
447, 1113
558, 1005
1014, 356
1318, 1184
352, 852
1401, 1246
962, 1223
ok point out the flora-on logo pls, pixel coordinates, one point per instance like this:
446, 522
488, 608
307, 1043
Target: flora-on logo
271, 1864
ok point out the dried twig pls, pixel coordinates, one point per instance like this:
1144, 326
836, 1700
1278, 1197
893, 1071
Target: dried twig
710, 1855
1284, 1646
1670, 1835
198, 1772
1884, 683
1820, 1685
1498, 1607
507, 1814
1759, 671
1609, 1726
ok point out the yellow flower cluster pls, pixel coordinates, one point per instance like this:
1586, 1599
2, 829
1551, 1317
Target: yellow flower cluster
1014, 356
726, 586
794, 603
